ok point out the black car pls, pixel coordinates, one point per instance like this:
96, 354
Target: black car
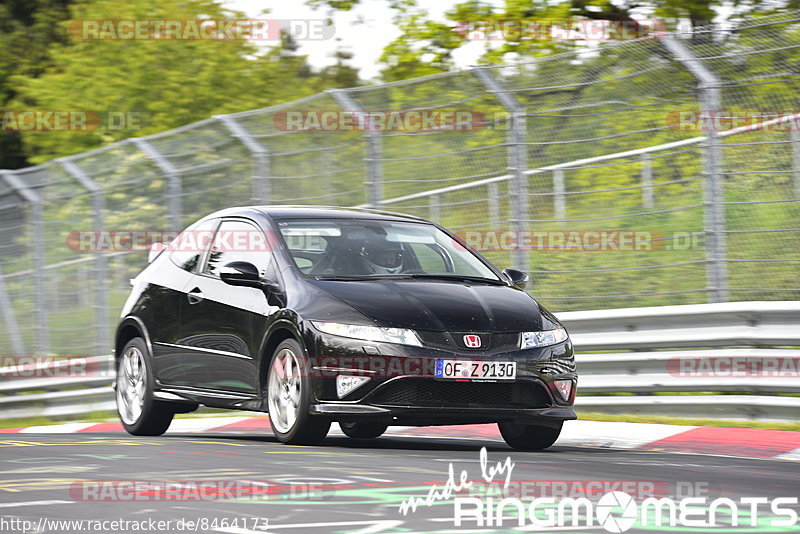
318, 314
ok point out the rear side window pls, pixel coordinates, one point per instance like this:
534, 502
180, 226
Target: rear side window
189, 246
238, 240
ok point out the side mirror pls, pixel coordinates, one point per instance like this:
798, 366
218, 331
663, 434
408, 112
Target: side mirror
242, 273
518, 278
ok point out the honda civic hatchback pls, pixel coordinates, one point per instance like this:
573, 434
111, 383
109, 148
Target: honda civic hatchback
318, 315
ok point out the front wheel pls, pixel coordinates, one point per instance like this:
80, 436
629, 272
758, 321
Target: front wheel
529, 437
362, 430
140, 413
289, 397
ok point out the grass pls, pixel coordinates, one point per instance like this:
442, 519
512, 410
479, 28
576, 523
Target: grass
666, 420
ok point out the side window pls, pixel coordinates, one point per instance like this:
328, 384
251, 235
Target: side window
240, 241
190, 244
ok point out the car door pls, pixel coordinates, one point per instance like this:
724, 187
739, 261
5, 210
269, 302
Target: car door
222, 324
173, 365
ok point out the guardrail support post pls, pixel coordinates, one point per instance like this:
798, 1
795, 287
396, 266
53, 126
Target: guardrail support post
102, 332
373, 156
648, 200
517, 157
174, 185
42, 345
713, 187
262, 187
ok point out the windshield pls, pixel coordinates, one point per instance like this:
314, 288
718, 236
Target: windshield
359, 249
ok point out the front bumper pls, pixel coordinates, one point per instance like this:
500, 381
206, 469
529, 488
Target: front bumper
402, 388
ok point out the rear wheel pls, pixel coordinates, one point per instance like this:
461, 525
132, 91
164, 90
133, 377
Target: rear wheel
362, 430
140, 413
529, 437
289, 396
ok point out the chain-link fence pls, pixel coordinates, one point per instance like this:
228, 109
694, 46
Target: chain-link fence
595, 171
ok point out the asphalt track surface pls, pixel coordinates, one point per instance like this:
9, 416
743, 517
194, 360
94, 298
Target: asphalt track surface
49, 477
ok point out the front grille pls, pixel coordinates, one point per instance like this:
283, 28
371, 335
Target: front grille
432, 393
454, 341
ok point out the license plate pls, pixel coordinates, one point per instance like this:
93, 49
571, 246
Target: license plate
472, 370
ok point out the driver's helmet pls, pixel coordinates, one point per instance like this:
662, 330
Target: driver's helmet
383, 257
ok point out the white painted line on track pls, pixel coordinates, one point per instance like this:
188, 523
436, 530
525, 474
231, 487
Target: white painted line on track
33, 503
200, 424
66, 428
616, 435
792, 455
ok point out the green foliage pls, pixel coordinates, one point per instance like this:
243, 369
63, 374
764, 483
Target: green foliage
169, 83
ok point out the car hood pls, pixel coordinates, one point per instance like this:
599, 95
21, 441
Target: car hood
441, 306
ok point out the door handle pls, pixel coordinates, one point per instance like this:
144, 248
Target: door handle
195, 296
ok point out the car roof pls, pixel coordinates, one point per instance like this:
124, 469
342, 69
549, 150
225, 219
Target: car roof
316, 212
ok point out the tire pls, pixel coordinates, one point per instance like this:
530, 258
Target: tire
362, 430
289, 396
140, 413
529, 437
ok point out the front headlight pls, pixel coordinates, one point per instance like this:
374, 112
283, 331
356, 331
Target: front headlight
401, 336
532, 340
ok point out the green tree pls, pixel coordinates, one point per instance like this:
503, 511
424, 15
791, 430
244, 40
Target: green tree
27, 30
171, 83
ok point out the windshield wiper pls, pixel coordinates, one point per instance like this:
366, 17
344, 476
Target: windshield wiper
345, 278
453, 277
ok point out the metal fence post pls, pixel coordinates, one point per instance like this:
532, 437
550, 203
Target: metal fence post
494, 205
373, 156
648, 200
12, 327
559, 196
42, 345
796, 160
713, 187
262, 187
435, 212
517, 156
173, 176
102, 332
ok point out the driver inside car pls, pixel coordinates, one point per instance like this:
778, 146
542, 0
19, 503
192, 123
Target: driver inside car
382, 257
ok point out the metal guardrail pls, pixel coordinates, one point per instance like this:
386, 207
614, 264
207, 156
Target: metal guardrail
697, 350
